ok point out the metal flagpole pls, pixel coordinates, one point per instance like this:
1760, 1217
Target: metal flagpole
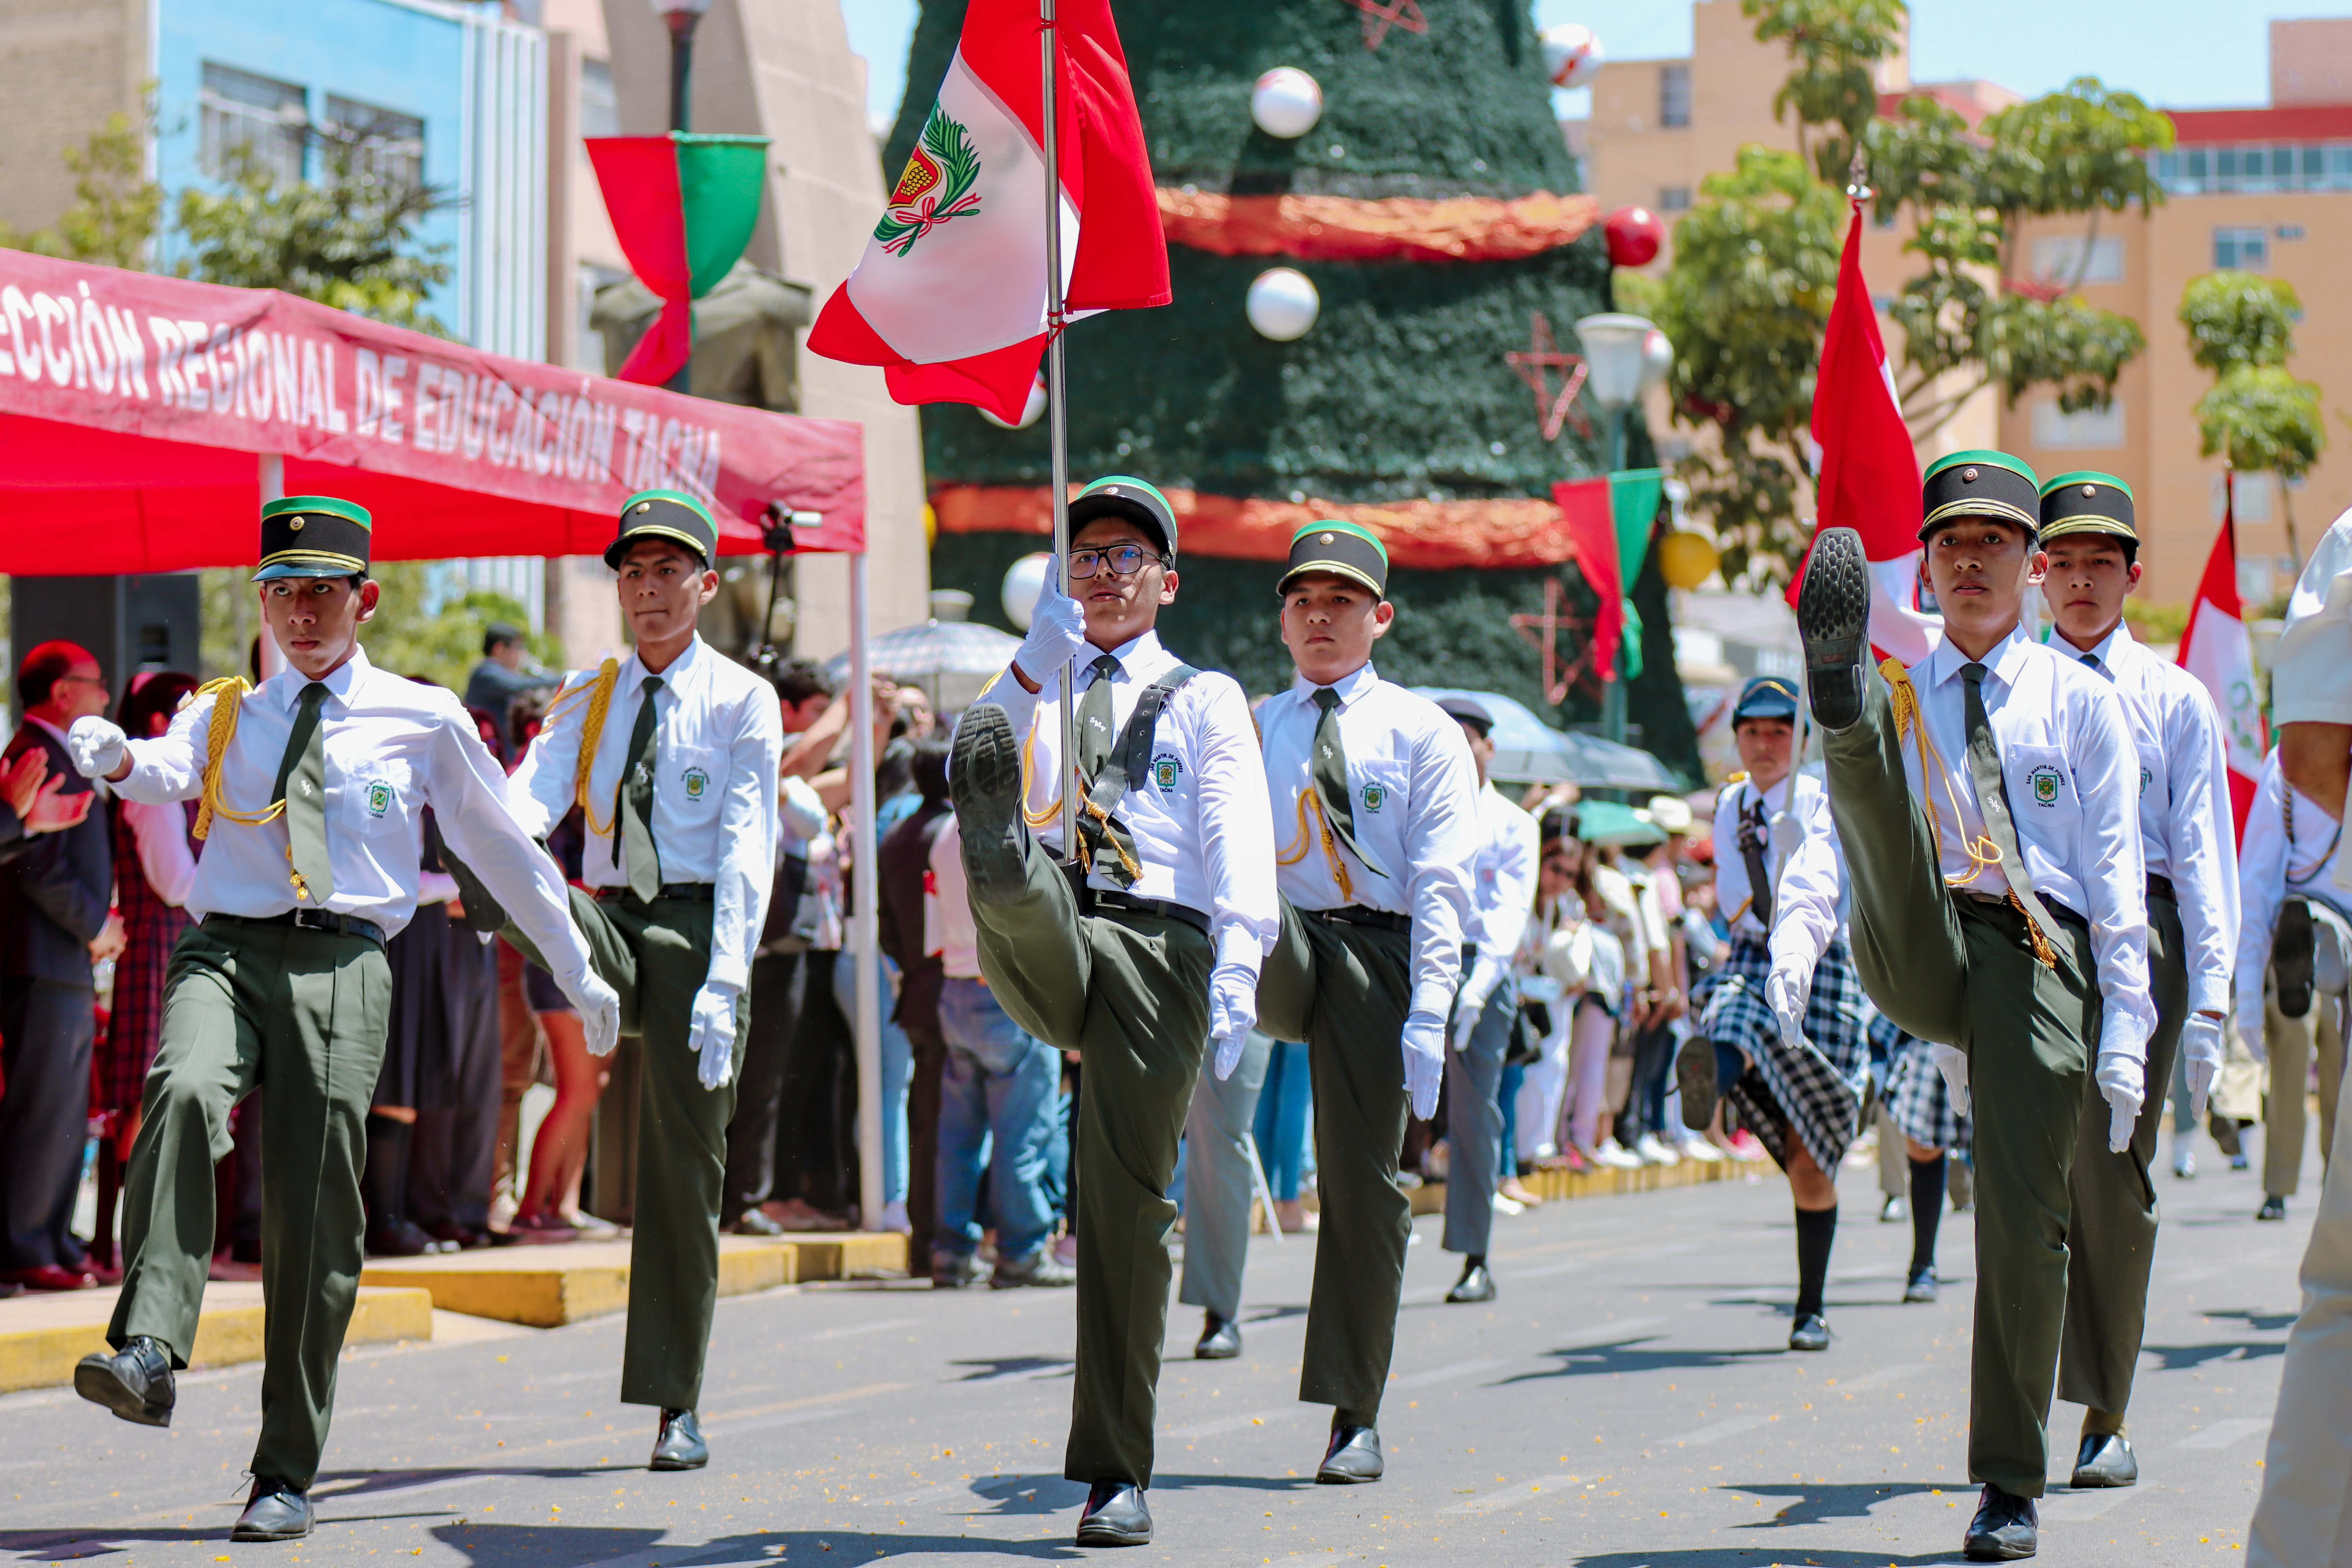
1057, 430
866, 894
273, 488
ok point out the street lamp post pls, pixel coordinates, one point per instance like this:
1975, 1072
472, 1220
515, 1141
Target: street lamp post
1615, 345
679, 16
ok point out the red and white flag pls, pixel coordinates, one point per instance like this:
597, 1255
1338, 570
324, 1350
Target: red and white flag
950, 296
1869, 473
2216, 649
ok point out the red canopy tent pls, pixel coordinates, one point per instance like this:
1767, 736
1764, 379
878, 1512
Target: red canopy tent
140, 414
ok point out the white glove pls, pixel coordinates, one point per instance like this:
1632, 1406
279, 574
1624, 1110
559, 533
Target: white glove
1486, 975
600, 1013
2201, 1043
1424, 1061
712, 1032
1953, 1063
1057, 631
96, 746
1787, 990
1232, 1014
2121, 1078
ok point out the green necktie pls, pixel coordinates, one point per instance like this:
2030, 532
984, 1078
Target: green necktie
635, 805
1329, 768
1110, 846
1992, 800
304, 769
1094, 719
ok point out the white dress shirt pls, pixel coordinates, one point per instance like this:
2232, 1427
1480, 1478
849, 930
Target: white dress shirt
2273, 866
2186, 829
393, 748
1802, 855
165, 857
719, 748
1415, 806
1200, 825
2072, 777
949, 932
1506, 892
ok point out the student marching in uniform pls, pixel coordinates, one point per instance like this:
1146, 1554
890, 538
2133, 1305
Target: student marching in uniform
1486, 1013
1136, 965
1781, 1033
1985, 799
672, 756
1926, 1134
313, 788
2188, 840
1375, 812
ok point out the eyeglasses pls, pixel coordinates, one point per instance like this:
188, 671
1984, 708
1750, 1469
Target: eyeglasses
97, 680
1121, 560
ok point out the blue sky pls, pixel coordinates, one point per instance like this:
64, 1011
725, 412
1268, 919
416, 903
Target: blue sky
2178, 53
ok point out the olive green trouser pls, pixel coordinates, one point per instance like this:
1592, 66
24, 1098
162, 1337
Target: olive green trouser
1345, 989
656, 956
2111, 1227
300, 1015
2293, 1046
1949, 968
1130, 993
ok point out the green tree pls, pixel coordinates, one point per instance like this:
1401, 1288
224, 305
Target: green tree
2238, 319
413, 635
116, 209
1834, 92
2258, 416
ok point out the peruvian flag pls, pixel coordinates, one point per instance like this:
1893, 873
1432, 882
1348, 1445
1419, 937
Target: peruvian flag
1869, 475
950, 296
2216, 649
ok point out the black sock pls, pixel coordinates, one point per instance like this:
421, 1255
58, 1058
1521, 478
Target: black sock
1816, 1229
1926, 1212
1729, 1067
1343, 1416
1473, 1260
383, 1181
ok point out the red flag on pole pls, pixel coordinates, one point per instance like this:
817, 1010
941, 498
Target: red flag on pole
950, 296
1587, 507
2217, 650
1869, 476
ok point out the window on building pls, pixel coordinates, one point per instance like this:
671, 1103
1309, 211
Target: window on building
2248, 249
384, 142
1674, 95
2253, 498
1674, 198
2059, 259
599, 105
239, 112
2092, 428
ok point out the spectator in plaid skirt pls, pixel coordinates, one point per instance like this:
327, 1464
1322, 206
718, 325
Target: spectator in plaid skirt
1781, 1033
1919, 1106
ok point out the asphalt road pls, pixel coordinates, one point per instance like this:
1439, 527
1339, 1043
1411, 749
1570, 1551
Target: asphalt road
1626, 1402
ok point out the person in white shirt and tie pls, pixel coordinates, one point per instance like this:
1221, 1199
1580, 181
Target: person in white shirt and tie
1782, 1027
1486, 1012
1376, 814
673, 757
1987, 800
314, 788
1141, 963
2187, 836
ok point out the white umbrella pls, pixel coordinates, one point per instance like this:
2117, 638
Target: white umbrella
951, 660
1529, 750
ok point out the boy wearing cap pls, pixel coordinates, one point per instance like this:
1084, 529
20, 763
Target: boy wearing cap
313, 789
1782, 1030
672, 757
1376, 813
1503, 897
1136, 957
2188, 840
1985, 799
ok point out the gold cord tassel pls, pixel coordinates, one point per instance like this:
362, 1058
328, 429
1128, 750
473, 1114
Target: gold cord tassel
598, 694
229, 701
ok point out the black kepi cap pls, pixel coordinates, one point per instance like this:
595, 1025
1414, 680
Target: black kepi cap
1138, 500
664, 514
1765, 697
314, 536
2088, 503
1347, 550
1982, 483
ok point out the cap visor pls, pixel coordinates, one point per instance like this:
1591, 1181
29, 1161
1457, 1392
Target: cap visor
619, 548
276, 569
1329, 569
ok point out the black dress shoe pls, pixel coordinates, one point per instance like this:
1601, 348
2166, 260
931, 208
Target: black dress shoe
1354, 1456
403, 1238
678, 1446
756, 1222
1221, 1339
2105, 1459
277, 1510
1834, 622
1115, 1515
1809, 1332
1694, 1076
135, 1381
949, 1272
1475, 1285
2273, 1207
1920, 1287
985, 778
2294, 949
2005, 1529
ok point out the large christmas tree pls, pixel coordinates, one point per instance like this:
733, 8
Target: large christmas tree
1432, 206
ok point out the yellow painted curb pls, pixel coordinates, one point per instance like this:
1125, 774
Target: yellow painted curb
41, 1338
1560, 1187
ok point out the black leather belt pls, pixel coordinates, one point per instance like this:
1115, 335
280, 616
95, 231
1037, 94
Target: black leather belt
1359, 915
2161, 887
1166, 908
311, 920
2001, 900
693, 892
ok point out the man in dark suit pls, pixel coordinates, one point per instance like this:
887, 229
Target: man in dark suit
903, 861
53, 907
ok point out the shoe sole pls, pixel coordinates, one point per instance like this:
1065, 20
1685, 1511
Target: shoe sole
1090, 1534
100, 1386
2095, 1479
2293, 958
1342, 1477
1833, 620
677, 1464
1694, 1076
240, 1533
985, 784
1200, 1353
1922, 1297
1997, 1552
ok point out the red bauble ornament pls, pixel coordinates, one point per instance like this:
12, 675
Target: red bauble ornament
1634, 235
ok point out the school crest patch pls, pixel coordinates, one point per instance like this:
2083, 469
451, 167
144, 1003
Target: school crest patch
2045, 787
1375, 796
696, 782
379, 799
1166, 769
